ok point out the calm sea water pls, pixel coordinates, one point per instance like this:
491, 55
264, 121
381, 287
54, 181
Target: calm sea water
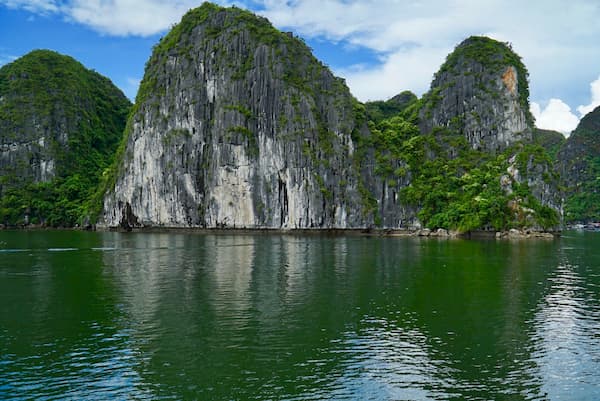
189, 316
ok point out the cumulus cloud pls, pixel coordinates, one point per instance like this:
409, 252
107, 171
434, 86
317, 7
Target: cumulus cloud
412, 38
595, 102
6, 58
128, 17
383, 25
398, 71
112, 17
556, 116
558, 42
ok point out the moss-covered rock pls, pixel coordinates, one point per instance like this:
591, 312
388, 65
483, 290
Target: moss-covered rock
273, 135
481, 168
482, 91
579, 161
60, 125
402, 105
550, 140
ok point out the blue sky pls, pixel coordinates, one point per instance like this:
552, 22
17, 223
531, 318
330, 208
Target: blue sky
381, 47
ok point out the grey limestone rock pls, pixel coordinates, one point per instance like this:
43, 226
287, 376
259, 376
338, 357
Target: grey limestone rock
237, 125
480, 90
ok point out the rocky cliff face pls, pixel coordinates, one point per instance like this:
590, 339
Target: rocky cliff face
237, 125
482, 91
58, 120
47, 100
579, 164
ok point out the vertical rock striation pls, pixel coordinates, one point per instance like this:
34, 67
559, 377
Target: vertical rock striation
482, 91
238, 125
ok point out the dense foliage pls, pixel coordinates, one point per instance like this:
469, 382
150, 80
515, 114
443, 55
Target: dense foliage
579, 159
78, 114
454, 186
583, 202
404, 104
549, 140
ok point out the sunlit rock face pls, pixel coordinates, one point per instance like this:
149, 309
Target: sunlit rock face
237, 125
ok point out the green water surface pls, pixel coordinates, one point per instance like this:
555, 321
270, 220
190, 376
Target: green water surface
284, 317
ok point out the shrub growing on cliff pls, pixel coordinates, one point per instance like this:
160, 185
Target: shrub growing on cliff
56, 111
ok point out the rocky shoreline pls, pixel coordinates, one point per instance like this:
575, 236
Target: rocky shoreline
509, 234
373, 232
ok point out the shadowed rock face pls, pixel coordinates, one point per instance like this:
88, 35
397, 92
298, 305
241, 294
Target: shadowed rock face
60, 125
550, 140
482, 91
582, 144
52, 109
238, 125
579, 164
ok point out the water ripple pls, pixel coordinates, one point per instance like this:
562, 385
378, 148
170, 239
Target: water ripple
172, 316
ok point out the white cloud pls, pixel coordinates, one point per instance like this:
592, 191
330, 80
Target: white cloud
128, 17
558, 42
555, 116
35, 6
595, 90
131, 87
6, 58
113, 17
400, 70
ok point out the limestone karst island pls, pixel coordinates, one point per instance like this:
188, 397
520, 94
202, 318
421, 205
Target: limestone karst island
238, 125
248, 229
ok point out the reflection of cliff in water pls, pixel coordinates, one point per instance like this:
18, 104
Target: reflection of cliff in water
221, 316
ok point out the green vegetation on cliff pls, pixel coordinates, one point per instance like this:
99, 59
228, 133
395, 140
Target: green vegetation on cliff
212, 23
482, 90
60, 125
246, 90
493, 56
403, 104
549, 140
455, 159
579, 158
583, 200
456, 187
479, 166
